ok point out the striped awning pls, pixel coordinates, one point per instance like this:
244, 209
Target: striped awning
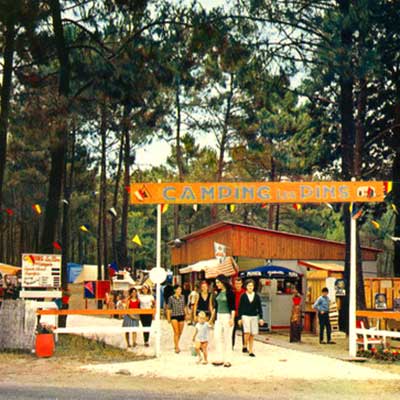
213, 267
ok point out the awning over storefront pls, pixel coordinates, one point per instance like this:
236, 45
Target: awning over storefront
7, 269
331, 267
212, 267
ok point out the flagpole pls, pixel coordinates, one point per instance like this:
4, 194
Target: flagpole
352, 294
158, 284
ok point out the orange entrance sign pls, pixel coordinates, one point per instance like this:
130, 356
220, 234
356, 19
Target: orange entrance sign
256, 192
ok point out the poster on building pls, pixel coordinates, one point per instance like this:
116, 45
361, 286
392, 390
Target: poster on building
41, 270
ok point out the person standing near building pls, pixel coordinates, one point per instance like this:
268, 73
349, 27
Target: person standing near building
204, 302
238, 292
250, 315
295, 318
176, 314
322, 307
131, 320
192, 300
225, 313
146, 302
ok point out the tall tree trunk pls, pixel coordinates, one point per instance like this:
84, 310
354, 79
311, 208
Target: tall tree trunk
115, 201
358, 151
271, 208
346, 83
103, 187
125, 198
58, 149
396, 176
65, 229
6, 87
179, 158
223, 143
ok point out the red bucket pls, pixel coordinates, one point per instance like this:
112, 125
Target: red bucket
44, 345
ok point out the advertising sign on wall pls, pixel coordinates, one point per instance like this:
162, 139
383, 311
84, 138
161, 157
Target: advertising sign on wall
41, 270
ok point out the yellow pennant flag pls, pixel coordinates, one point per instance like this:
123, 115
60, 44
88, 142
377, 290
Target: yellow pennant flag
84, 228
395, 208
37, 209
297, 206
164, 208
137, 240
375, 224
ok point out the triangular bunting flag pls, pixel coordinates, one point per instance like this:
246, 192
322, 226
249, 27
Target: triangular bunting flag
265, 205
395, 208
375, 224
388, 186
65, 201
329, 205
164, 208
37, 209
297, 206
196, 207
84, 228
113, 212
136, 239
231, 208
355, 214
57, 245
9, 212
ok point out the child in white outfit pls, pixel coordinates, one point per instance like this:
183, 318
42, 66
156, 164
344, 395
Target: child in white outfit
200, 338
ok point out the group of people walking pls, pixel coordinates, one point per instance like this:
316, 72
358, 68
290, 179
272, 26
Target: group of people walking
227, 309
230, 309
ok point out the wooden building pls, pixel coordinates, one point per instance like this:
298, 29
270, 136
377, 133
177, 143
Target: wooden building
252, 246
245, 241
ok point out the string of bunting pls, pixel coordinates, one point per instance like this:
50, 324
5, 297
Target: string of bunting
141, 194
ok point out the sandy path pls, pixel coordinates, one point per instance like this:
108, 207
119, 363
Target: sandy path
270, 361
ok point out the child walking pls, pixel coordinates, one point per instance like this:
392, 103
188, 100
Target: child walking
200, 338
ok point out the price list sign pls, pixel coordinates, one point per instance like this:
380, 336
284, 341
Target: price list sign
41, 270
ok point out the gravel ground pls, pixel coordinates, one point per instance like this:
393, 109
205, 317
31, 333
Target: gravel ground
270, 362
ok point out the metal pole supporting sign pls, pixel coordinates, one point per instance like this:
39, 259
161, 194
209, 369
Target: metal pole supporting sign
158, 276
353, 290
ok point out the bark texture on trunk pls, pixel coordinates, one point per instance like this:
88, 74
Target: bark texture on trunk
6, 88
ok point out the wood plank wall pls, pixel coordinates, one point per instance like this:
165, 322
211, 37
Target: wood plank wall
247, 242
388, 286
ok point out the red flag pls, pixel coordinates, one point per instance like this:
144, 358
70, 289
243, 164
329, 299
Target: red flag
128, 189
297, 206
164, 208
265, 205
388, 185
9, 212
57, 245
